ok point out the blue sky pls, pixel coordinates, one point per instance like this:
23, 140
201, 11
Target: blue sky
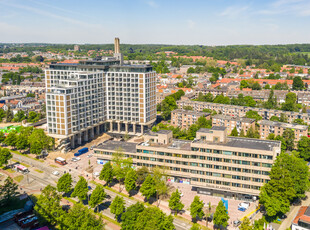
203, 22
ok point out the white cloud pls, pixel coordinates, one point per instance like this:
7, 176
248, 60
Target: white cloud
234, 11
152, 4
288, 7
49, 14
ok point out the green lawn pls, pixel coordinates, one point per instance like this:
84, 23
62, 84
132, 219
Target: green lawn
19, 178
38, 170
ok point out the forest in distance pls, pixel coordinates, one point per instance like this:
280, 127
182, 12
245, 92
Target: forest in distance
298, 54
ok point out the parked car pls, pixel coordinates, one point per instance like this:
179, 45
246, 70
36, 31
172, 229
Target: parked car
90, 155
56, 173
75, 159
236, 223
296, 202
96, 174
243, 206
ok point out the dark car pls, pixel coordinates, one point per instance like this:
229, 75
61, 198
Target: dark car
296, 202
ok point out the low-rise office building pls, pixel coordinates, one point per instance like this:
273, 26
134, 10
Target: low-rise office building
213, 163
267, 127
230, 122
185, 118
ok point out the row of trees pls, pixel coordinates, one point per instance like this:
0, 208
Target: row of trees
185, 134
50, 211
169, 104
30, 117
221, 99
134, 217
290, 103
29, 138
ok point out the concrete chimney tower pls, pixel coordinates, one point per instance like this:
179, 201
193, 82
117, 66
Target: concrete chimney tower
117, 52
116, 46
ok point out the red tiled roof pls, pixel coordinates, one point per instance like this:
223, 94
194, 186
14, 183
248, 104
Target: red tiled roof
300, 213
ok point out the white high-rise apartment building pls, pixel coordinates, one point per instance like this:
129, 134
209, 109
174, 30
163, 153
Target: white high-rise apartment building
95, 96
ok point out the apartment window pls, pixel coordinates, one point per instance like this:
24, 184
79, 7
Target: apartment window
267, 165
202, 157
217, 151
227, 152
194, 164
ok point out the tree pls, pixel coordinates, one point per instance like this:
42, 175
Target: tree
244, 84
298, 171
11, 139
246, 224
121, 165
251, 133
130, 180
160, 182
148, 188
242, 134
274, 118
2, 136
283, 117
106, 173
97, 196
9, 115
19, 116
80, 189
188, 107
298, 84
48, 206
142, 173
195, 226
277, 193
5, 156
39, 141
304, 148
175, 203
289, 137
196, 209
33, 117
80, 217
129, 218
2, 114
64, 183
272, 101
253, 114
8, 190
117, 207
153, 218
234, 132
290, 102
22, 141
221, 216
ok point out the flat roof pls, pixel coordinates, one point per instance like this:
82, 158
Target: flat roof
234, 118
284, 125
113, 145
191, 112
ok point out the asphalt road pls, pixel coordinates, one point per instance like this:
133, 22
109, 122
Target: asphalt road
48, 178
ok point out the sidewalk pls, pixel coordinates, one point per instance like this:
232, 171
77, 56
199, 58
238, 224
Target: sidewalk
293, 211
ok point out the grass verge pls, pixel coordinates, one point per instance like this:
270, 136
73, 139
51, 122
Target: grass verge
54, 166
38, 170
19, 178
